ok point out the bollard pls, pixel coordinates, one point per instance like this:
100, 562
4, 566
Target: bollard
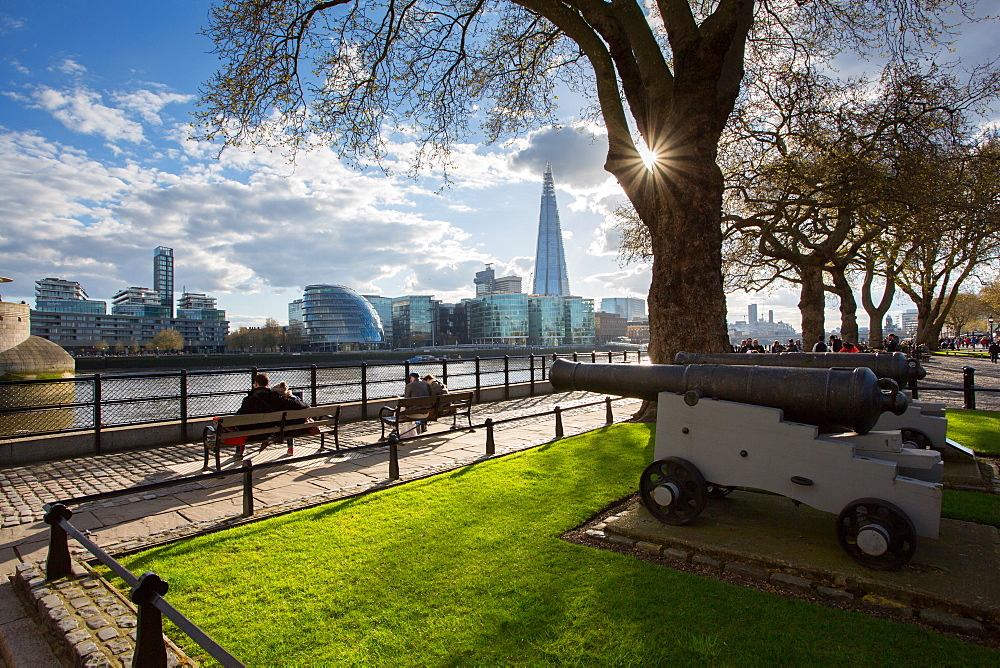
247, 488
393, 457
491, 447
969, 387
57, 563
610, 417
150, 650
559, 424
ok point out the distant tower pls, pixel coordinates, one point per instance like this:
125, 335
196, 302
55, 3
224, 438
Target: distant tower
752, 313
163, 277
550, 259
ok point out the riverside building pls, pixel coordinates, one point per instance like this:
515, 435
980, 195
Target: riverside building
335, 317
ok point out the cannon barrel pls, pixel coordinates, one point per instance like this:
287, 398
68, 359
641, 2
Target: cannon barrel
832, 399
885, 365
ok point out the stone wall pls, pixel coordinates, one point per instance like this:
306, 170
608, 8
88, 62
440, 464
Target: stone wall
15, 324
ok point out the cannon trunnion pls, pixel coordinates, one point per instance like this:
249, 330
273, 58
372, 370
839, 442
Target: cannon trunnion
802, 433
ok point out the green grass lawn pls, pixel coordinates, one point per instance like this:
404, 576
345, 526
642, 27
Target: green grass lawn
979, 430
467, 568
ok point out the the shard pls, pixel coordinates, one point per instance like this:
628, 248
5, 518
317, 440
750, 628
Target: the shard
550, 259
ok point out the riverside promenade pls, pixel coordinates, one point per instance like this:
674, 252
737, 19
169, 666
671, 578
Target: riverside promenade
129, 522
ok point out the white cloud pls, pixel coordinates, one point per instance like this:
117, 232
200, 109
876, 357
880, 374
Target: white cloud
69, 67
148, 103
80, 110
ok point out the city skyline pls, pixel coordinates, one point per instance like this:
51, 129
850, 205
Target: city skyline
99, 169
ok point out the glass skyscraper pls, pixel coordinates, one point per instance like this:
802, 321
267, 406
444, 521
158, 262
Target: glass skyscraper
550, 259
546, 320
163, 277
499, 319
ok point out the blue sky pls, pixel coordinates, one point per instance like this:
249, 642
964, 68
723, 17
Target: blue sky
96, 171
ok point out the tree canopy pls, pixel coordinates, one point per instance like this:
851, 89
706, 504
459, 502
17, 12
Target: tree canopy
663, 78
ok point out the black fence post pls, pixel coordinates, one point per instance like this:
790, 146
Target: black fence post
364, 390
531, 376
312, 384
559, 424
574, 356
610, 417
477, 380
253, 375
444, 371
969, 386
150, 649
247, 487
593, 357
406, 370
184, 405
98, 413
491, 448
393, 457
57, 563
609, 357
506, 376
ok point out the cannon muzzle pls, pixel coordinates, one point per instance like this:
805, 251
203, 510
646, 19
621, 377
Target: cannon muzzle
884, 365
835, 400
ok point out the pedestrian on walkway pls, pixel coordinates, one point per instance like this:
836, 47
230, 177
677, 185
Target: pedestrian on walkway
994, 350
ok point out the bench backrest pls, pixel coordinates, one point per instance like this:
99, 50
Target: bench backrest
264, 424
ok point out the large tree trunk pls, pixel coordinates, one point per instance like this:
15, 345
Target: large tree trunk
848, 306
812, 302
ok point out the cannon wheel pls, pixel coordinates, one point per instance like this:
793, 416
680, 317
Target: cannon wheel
673, 490
876, 534
917, 437
718, 491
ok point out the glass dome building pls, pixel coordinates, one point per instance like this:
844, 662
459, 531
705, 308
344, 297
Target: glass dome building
335, 317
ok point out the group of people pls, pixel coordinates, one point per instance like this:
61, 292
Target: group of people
265, 399
428, 386
833, 345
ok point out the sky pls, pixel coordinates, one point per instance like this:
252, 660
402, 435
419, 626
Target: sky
97, 170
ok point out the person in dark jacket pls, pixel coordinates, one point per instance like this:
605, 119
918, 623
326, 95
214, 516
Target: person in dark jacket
820, 346
994, 350
262, 399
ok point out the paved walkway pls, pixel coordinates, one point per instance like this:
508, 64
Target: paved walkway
130, 521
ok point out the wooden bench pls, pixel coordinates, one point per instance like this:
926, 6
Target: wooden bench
267, 428
426, 409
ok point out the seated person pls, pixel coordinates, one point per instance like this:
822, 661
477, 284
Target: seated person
437, 387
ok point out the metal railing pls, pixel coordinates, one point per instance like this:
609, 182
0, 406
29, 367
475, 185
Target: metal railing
147, 593
96, 402
148, 590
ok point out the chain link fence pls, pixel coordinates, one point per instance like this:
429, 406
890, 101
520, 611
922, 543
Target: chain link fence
90, 403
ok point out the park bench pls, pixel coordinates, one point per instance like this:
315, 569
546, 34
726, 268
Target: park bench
268, 428
426, 409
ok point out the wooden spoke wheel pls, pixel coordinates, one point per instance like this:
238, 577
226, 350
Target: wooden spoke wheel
673, 490
876, 534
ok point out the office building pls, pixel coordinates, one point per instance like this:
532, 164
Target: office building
453, 323
908, 323
163, 277
578, 314
752, 314
546, 320
550, 258
414, 321
56, 295
627, 307
609, 327
141, 302
487, 283
335, 317
499, 319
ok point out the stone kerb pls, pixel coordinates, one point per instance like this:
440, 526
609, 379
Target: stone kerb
88, 622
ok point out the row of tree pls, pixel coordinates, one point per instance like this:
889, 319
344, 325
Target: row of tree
814, 185
272, 337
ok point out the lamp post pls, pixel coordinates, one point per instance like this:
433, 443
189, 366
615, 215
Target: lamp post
990, 320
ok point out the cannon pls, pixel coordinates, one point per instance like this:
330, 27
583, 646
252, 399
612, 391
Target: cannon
923, 424
799, 432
